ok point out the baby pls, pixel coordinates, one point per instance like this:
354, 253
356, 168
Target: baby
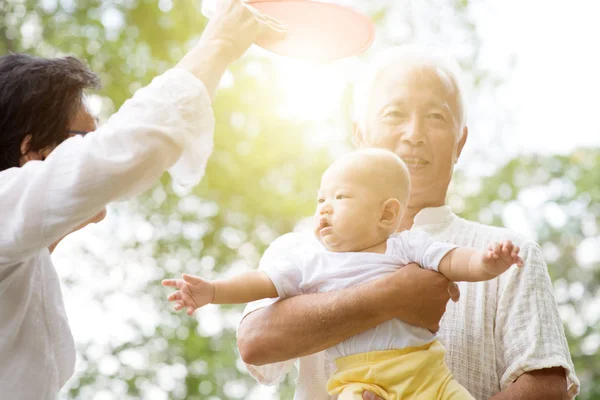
360, 204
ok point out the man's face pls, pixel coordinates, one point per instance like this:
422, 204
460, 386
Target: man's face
414, 112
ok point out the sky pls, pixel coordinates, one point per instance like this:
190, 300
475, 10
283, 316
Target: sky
554, 89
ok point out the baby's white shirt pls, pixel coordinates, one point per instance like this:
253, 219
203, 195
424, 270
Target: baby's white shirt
298, 263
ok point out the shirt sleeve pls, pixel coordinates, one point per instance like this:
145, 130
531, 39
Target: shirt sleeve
414, 246
268, 374
528, 324
168, 124
279, 264
282, 263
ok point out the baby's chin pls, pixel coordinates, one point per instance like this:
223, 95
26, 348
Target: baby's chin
332, 246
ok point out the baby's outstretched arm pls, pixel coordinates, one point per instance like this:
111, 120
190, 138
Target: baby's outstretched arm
466, 264
194, 292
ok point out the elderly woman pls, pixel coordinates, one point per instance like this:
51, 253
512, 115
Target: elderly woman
53, 179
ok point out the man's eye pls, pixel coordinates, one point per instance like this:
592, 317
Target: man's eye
340, 197
320, 201
437, 116
394, 114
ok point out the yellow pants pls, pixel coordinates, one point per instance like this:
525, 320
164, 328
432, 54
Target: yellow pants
418, 373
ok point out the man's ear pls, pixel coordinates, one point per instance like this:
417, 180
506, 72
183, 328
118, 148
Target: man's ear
391, 211
461, 143
358, 136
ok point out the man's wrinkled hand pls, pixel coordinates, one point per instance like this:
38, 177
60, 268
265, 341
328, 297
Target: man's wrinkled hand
453, 291
370, 396
429, 292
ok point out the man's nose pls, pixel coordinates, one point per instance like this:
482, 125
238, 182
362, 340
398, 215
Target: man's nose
414, 132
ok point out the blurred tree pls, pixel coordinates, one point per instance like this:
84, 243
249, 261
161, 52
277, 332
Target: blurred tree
260, 182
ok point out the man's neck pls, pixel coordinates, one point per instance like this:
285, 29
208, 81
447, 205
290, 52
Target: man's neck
408, 218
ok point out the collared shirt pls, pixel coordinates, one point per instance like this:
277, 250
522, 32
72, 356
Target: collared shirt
498, 330
168, 124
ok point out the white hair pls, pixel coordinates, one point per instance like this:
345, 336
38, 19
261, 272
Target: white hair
438, 60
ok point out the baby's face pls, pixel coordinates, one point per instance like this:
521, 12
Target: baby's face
348, 208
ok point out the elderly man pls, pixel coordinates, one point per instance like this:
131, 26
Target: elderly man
504, 337
53, 180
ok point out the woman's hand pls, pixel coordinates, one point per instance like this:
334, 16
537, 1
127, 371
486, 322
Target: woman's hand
227, 36
236, 25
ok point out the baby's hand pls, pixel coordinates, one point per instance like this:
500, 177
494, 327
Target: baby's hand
193, 292
499, 257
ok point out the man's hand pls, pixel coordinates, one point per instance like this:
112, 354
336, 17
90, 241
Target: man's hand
453, 291
370, 396
193, 292
430, 307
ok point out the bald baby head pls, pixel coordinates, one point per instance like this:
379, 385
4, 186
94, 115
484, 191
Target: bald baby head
381, 170
361, 201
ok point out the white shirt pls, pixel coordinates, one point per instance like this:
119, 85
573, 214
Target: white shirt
298, 263
167, 124
498, 330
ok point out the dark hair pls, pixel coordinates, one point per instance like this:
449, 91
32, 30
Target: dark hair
39, 97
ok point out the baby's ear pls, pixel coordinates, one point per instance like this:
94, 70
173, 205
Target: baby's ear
391, 211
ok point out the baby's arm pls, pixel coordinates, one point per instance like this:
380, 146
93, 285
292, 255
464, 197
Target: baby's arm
194, 292
466, 264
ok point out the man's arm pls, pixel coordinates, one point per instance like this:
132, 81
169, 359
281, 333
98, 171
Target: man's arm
532, 353
543, 384
315, 322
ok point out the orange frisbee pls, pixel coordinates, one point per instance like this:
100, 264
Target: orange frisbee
317, 31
